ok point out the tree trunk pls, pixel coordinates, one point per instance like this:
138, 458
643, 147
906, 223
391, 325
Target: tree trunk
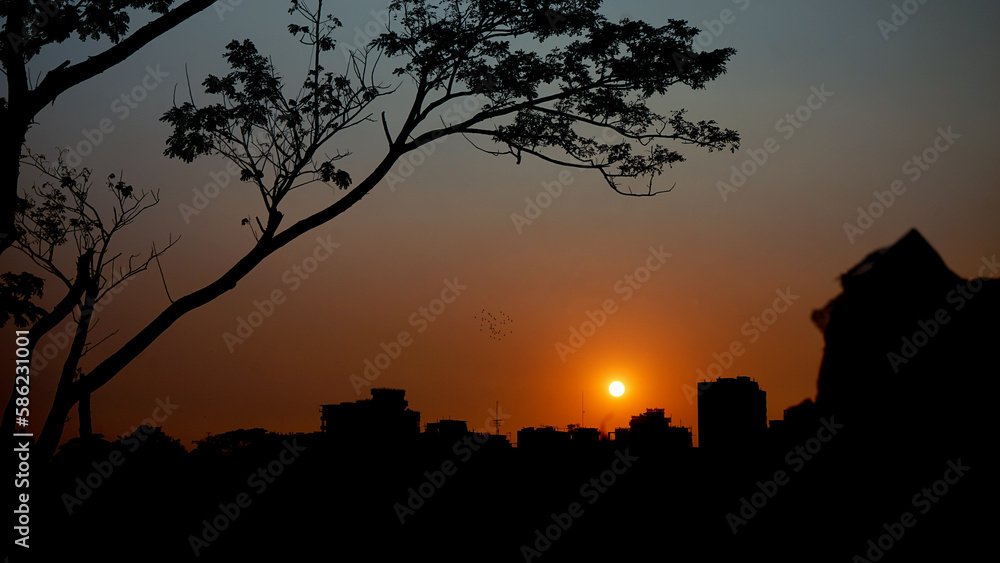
24, 103
10, 162
47, 323
14, 121
52, 431
86, 424
68, 392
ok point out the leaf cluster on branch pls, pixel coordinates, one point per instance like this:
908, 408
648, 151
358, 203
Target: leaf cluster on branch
545, 75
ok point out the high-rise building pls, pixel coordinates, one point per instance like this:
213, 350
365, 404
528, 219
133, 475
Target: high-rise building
732, 413
384, 417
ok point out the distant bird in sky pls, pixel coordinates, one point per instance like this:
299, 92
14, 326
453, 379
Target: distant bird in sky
496, 326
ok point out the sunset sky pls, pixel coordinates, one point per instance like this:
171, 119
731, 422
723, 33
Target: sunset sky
880, 95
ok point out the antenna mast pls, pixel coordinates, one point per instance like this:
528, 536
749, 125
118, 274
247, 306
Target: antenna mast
497, 420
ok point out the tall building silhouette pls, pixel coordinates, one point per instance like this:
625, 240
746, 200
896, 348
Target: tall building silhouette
384, 417
732, 413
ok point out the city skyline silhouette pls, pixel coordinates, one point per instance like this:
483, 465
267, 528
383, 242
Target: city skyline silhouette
560, 280
822, 483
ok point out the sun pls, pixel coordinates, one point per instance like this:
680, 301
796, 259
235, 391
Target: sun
616, 388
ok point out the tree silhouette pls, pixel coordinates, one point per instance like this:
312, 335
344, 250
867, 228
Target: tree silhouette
61, 212
233, 442
30, 26
546, 102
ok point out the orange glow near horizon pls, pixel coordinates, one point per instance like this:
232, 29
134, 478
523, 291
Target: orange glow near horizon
429, 285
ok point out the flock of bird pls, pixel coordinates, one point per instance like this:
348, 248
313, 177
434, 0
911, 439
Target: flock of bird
496, 327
